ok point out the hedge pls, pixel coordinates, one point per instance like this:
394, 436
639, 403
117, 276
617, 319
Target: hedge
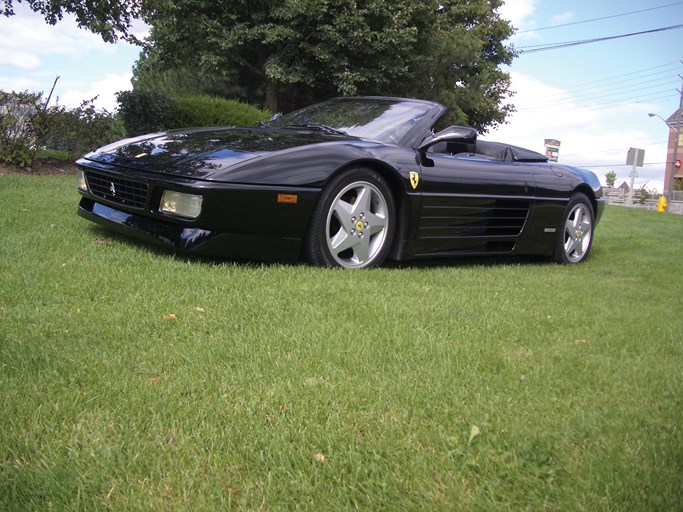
146, 112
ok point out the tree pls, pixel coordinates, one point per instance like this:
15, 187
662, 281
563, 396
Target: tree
110, 19
185, 79
643, 194
610, 179
287, 53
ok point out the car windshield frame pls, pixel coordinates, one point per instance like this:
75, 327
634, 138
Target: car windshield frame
387, 120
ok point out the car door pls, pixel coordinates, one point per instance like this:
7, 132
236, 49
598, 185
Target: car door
471, 204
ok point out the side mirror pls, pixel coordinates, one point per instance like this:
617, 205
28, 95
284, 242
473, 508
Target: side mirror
461, 134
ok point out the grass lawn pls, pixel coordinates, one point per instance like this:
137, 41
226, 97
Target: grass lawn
132, 379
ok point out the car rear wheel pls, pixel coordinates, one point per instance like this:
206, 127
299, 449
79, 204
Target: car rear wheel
353, 224
576, 233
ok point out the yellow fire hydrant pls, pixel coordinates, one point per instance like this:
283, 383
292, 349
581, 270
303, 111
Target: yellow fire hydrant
661, 204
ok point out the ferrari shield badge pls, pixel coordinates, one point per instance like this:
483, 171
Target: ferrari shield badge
414, 179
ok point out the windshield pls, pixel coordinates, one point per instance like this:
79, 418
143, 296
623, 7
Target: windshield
382, 119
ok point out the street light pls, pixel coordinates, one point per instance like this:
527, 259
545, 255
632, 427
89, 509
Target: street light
677, 132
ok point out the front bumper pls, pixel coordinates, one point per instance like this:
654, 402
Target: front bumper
191, 239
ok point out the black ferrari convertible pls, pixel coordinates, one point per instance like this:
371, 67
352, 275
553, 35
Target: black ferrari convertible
348, 182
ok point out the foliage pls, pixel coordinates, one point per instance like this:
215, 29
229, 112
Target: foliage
110, 19
212, 111
17, 153
643, 194
288, 54
133, 379
146, 111
19, 130
610, 178
78, 130
26, 126
185, 79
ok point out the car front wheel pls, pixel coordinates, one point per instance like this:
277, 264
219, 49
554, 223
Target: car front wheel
354, 222
576, 233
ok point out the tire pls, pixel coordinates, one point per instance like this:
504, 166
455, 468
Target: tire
575, 234
354, 222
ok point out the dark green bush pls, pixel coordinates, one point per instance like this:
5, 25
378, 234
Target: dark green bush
214, 111
146, 112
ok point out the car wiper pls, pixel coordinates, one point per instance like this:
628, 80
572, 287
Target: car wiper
316, 127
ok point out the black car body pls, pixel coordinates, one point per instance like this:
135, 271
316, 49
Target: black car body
348, 182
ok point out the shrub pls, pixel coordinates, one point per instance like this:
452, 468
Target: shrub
214, 111
79, 130
17, 153
146, 112
18, 128
26, 127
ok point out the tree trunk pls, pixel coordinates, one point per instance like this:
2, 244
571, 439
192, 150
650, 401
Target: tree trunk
271, 95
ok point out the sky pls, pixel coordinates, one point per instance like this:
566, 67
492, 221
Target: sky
594, 98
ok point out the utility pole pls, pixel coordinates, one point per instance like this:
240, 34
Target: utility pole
677, 138
674, 125
51, 91
635, 158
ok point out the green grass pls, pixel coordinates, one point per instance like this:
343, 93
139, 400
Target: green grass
57, 154
459, 385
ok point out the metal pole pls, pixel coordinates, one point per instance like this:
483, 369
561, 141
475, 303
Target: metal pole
677, 135
633, 179
51, 91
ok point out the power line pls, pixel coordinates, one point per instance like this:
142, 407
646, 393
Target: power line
588, 87
592, 91
598, 19
613, 150
604, 106
608, 91
608, 79
618, 165
604, 100
623, 95
566, 44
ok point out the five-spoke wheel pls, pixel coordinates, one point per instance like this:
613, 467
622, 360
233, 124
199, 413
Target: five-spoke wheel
576, 233
354, 222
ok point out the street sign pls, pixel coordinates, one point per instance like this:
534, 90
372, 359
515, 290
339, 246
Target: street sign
552, 149
635, 157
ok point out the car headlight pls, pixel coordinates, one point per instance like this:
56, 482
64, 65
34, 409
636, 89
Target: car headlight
82, 185
181, 205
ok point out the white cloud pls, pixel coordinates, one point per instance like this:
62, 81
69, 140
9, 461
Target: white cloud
26, 36
19, 83
33, 53
592, 138
560, 19
105, 90
19, 59
533, 122
518, 11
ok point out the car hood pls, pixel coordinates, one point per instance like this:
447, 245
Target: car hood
204, 152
